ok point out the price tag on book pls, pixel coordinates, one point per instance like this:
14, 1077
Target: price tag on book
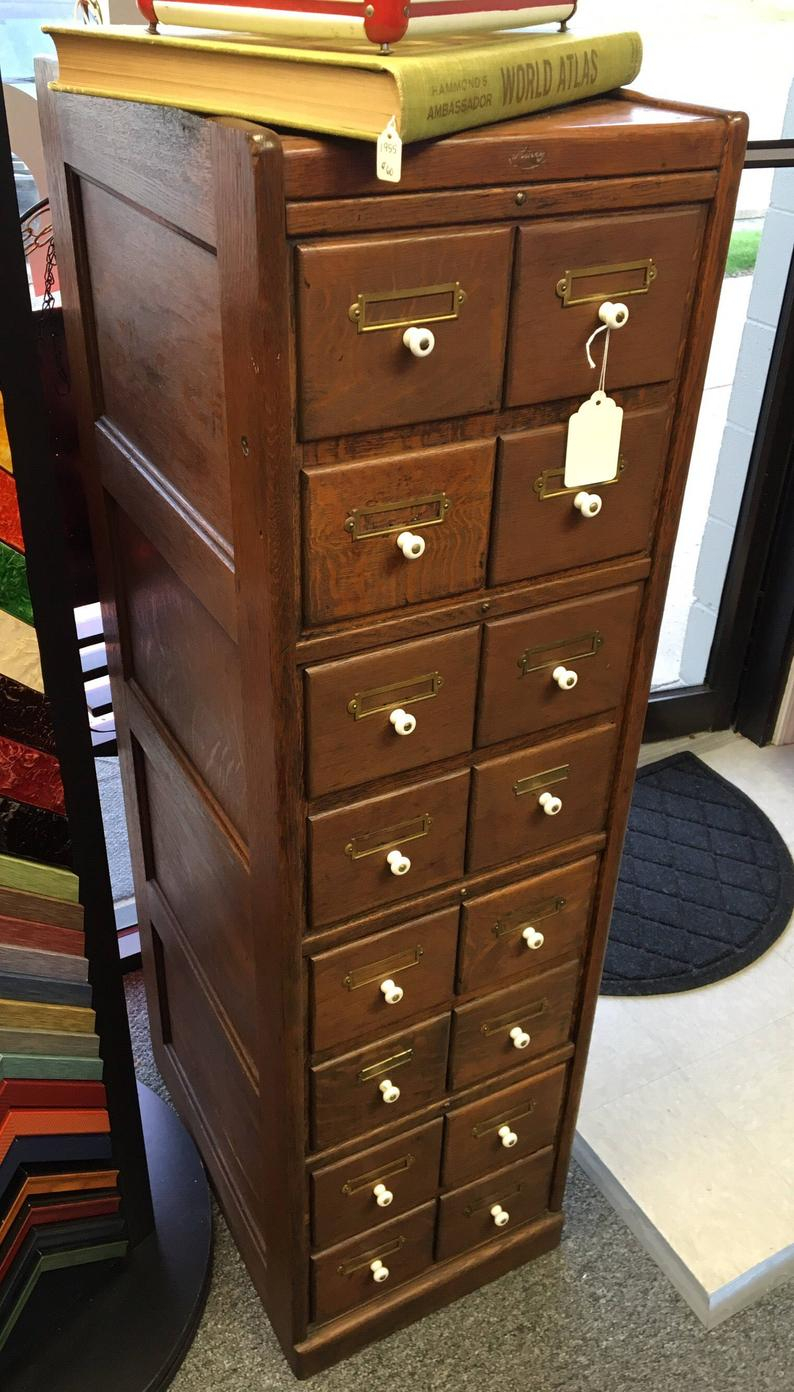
389, 157
593, 448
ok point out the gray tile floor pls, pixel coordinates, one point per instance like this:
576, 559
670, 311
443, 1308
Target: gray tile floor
597, 1314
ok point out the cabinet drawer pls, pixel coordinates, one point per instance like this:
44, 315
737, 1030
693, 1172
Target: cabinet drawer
476, 1213
349, 848
349, 1093
353, 515
351, 737
344, 1200
529, 1112
343, 1277
509, 816
357, 298
529, 660
524, 929
537, 528
418, 958
482, 1042
565, 270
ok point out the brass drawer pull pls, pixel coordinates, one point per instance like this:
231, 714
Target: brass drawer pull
551, 483
634, 278
531, 1012
497, 1124
563, 650
368, 306
383, 519
385, 698
374, 1070
373, 841
365, 1181
521, 919
534, 781
369, 1259
388, 966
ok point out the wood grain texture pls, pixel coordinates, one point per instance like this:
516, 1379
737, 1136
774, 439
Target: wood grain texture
334, 358
542, 1007
28, 878
18, 959
360, 571
41, 909
51, 1093
64, 1043
46, 990
342, 1277
27, 1121
25, 1014
46, 1066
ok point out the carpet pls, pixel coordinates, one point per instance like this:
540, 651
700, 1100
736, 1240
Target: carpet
706, 883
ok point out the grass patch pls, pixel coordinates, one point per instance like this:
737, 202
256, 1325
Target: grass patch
743, 252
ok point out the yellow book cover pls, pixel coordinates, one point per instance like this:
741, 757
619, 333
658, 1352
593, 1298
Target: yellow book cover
431, 87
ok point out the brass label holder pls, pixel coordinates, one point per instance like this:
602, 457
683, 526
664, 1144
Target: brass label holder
399, 693
501, 1198
361, 310
535, 781
520, 919
378, 519
484, 1128
364, 1259
399, 1166
563, 650
374, 1070
645, 269
514, 1017
373, 841
550, 484
388, 966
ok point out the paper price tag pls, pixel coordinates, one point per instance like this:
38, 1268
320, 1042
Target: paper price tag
389, 154
593, 449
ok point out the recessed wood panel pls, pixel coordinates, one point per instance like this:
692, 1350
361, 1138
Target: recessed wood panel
351, 738
354, 513
528, 660
538, 530
349, 848
155, 306
186, 666
404, 281
520, 930
418, 957
508, 819
526, 1115
205, 884
598, 258
344, 1200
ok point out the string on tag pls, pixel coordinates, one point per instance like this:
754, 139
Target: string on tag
612, 316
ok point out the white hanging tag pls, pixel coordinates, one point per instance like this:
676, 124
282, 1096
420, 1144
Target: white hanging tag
593, 448
592, 452
389, 154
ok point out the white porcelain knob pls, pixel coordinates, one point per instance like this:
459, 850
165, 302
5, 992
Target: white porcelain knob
615, 316
589, 504
533, 938
519, 1037
507, 1137
383, 1196
550, 803
392, 992
388, 1091
420, 342
380, 1273
411, 545
500, 1215
398, 863
565, 678
403, 722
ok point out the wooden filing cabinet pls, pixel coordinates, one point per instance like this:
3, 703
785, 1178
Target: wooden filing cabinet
375, 840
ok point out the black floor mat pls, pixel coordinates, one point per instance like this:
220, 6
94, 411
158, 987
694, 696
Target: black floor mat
706, 883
